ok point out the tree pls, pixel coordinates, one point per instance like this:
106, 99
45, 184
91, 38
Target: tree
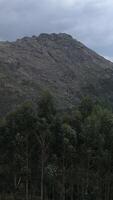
86, 106
68, 158
20, 125
45, 116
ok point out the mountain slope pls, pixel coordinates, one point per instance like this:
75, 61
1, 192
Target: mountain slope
51, 61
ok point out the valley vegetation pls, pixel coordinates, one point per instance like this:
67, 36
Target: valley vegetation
49, 154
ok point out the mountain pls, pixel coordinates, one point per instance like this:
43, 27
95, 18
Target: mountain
56, 62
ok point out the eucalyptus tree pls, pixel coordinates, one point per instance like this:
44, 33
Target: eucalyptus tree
45, 116
20, 124
68, 160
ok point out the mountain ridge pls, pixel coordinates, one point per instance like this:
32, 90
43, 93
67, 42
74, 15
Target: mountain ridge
54, 62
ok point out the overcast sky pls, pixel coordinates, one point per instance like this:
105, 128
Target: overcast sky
90, 21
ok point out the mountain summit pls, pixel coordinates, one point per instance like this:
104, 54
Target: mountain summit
56, 62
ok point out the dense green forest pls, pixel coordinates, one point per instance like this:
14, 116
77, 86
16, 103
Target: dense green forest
48, 154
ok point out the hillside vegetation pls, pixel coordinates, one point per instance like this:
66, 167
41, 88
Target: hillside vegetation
48, 154
56, 62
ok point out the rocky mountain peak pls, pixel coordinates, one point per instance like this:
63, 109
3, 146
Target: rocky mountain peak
56, 62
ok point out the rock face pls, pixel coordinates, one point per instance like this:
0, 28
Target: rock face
51, 61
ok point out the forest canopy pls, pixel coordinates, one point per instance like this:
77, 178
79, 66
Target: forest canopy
50, 154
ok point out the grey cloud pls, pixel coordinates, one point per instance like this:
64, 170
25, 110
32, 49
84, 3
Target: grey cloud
90, 21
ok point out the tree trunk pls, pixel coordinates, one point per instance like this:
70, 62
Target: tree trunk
42, 176
53, 193
63, 180
72, 192
27, 171
27, 190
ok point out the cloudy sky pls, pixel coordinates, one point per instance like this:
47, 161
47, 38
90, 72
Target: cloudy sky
90, 21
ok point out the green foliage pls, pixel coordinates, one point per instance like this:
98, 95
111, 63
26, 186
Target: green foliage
50, 154
86, 106
46, 107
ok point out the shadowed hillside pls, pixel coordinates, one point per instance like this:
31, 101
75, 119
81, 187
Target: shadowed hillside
52, 61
